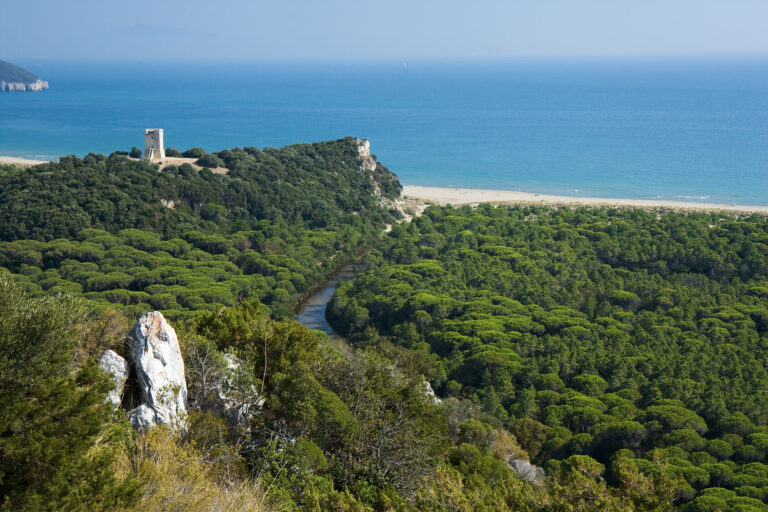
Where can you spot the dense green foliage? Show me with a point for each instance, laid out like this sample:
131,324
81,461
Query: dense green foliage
333,423
57,440
357,430
311,185
140,270
181,240
591,332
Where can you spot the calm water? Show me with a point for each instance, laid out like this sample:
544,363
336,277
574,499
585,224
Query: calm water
312,311
686,130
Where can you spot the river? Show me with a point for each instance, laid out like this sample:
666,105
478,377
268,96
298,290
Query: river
312,312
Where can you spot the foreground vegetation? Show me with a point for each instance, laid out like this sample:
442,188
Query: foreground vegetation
592,333
623,351
338,431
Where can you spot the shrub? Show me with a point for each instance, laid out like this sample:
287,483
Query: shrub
194,153
211,161
177,479
56,442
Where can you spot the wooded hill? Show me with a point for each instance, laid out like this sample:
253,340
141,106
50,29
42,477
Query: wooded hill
12,73
182,240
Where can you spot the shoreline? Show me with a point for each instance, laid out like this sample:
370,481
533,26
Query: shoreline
23,162
470,196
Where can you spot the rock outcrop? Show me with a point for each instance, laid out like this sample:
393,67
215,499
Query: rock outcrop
527,471
150,382
37,85
237,401
430,393
14,78
118,369
154,353
368,163
143,417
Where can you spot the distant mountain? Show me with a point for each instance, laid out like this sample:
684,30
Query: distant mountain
14,78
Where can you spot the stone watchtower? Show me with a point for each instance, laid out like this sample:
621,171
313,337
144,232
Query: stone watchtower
153,144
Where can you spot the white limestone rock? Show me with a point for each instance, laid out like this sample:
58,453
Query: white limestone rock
143,417
430,393
155,354
527,471
237,400
367,161
37,85
118,369
363,148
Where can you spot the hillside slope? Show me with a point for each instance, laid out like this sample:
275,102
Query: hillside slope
595,334
182,240
14,78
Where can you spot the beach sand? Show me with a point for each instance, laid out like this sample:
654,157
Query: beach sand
21,162
468,196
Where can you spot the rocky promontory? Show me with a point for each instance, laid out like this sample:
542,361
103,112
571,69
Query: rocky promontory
14,78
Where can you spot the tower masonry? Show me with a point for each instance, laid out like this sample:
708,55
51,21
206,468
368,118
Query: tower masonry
153,144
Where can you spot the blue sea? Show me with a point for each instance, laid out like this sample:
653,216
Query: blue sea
679,129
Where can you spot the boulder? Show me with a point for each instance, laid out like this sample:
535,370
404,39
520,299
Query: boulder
155,355
527,471
118,369
143,417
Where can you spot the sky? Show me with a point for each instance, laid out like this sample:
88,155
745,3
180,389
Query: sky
378,29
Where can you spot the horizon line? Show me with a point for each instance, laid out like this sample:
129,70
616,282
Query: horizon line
415,59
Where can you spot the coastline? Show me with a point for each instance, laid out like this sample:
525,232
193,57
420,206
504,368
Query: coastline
468,196
22,162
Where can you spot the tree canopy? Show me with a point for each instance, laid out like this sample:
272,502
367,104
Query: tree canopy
586,332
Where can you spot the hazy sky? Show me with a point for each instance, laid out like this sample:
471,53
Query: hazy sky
378,29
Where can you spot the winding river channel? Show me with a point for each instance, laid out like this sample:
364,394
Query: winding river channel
312,312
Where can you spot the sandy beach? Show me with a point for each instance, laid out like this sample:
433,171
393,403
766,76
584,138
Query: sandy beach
22,162
471,196
463,196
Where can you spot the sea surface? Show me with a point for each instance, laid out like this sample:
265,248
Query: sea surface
694,129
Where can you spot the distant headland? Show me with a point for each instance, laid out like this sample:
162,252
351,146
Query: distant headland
14,78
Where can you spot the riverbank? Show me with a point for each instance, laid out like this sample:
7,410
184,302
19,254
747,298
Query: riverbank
467,196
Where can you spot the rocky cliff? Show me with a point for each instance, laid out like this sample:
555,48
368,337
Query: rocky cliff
368,163
37,85
14,78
